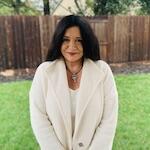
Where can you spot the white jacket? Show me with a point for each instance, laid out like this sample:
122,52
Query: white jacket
96,108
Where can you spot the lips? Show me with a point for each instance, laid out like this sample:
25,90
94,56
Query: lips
72,53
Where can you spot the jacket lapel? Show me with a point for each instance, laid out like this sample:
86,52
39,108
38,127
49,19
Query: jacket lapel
91,76
58,80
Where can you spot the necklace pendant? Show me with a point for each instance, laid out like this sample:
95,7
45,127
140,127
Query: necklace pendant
74,77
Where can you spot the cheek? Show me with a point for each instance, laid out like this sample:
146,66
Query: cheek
62,48
80,47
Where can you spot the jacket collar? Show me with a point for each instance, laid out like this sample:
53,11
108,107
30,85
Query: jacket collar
91,76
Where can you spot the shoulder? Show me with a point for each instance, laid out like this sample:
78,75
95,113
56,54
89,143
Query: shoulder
103,66
43,67
47,65
101,63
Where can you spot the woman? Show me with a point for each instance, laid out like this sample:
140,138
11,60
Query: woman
73,97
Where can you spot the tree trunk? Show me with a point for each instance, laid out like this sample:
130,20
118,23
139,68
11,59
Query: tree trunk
46,7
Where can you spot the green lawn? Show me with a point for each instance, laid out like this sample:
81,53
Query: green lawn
15,130
133,131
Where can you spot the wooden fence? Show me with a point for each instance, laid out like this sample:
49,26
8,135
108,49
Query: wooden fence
24,40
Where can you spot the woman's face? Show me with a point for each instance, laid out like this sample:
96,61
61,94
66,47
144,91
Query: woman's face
71,48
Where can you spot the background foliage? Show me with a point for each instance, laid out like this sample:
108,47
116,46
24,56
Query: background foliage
17,7
91,7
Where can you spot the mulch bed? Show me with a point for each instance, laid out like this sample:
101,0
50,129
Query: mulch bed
16,75
131,67
118,68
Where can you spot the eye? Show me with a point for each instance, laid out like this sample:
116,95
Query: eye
79,40
65,39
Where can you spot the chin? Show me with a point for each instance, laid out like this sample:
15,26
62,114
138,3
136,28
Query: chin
72,60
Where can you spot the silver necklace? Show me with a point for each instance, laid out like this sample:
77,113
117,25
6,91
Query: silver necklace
74,76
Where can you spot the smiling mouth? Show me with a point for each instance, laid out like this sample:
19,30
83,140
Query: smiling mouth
72,53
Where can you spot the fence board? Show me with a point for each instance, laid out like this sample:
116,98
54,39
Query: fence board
10,42
148,39
46,32
32,41
3,44
18,43
139,40
110,50
101,28
121,39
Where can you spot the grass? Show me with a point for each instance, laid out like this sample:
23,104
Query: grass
15,130
133,132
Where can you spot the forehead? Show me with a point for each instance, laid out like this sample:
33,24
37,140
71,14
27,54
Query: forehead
73,31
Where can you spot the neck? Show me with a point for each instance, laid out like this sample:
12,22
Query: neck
74,67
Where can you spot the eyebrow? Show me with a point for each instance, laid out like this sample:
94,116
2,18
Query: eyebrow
69,37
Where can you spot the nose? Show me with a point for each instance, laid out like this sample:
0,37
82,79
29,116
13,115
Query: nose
72,44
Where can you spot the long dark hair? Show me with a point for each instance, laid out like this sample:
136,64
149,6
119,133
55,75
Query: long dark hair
89,41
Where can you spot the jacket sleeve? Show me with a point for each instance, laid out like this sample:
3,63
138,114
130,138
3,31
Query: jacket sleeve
40,122
105,132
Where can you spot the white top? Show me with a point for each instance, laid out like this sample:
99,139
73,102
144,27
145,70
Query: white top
73,99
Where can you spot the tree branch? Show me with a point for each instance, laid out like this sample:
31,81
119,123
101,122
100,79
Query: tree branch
79,8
